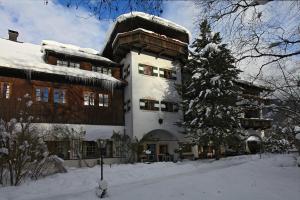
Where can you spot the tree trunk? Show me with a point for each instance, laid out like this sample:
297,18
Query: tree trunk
218,151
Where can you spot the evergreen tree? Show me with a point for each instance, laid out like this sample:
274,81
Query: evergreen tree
209,93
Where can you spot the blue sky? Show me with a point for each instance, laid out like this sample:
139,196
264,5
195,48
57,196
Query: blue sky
36,21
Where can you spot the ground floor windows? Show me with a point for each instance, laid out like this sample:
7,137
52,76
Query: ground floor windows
5,91
59,96
75,149
89,98
42,94
91,149
103,100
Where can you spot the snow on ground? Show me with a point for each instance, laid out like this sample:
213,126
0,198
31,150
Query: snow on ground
275,177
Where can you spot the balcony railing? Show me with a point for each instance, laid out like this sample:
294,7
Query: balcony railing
148,41
256,123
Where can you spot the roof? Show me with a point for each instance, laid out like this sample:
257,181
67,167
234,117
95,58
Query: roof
161,22
29,57
69,49
250,84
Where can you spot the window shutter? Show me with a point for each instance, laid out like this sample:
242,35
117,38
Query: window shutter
141,69
125,106
156,105
174,75
154,71
142,104
175,107
161,72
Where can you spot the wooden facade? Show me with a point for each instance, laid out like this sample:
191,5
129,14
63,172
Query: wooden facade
252,110
138,22
73,111
149,42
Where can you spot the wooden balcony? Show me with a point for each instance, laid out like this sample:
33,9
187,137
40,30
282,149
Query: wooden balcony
256,123
144,41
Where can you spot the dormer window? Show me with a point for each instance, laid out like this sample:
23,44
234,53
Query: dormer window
66,63
74,65
62,63
103,70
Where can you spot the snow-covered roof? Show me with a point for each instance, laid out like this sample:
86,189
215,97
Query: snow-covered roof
252,84
69,49
29,57
253,138
153,18
148,17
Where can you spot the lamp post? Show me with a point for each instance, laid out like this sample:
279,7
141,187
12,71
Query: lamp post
101,190
102,145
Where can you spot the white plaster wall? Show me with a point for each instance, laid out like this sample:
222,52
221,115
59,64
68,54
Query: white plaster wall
128,95
143,86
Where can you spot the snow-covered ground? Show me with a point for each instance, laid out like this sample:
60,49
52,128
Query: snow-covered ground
275,177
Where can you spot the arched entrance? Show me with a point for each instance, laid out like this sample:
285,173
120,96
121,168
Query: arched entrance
159,145
254,144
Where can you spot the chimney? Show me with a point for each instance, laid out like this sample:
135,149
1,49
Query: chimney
13,35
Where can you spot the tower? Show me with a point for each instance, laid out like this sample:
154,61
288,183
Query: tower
152,51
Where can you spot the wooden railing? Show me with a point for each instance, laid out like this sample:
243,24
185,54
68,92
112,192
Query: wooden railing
148,41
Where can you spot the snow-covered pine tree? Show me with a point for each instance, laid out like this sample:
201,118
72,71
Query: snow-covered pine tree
209,93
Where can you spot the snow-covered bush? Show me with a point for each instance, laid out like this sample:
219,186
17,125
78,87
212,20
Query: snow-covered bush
126,148
22,149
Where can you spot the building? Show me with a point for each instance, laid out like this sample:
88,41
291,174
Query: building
128,91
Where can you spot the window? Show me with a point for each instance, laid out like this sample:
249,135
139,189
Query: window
62,62
5,90
96,69
127,105
91,149
42,94
74,65
148,70
103,70
89,98
66,63
103,100
166,73
146,104
163,149
59,96
169,106
126,71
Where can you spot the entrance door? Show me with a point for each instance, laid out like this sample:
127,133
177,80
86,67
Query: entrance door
152,148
